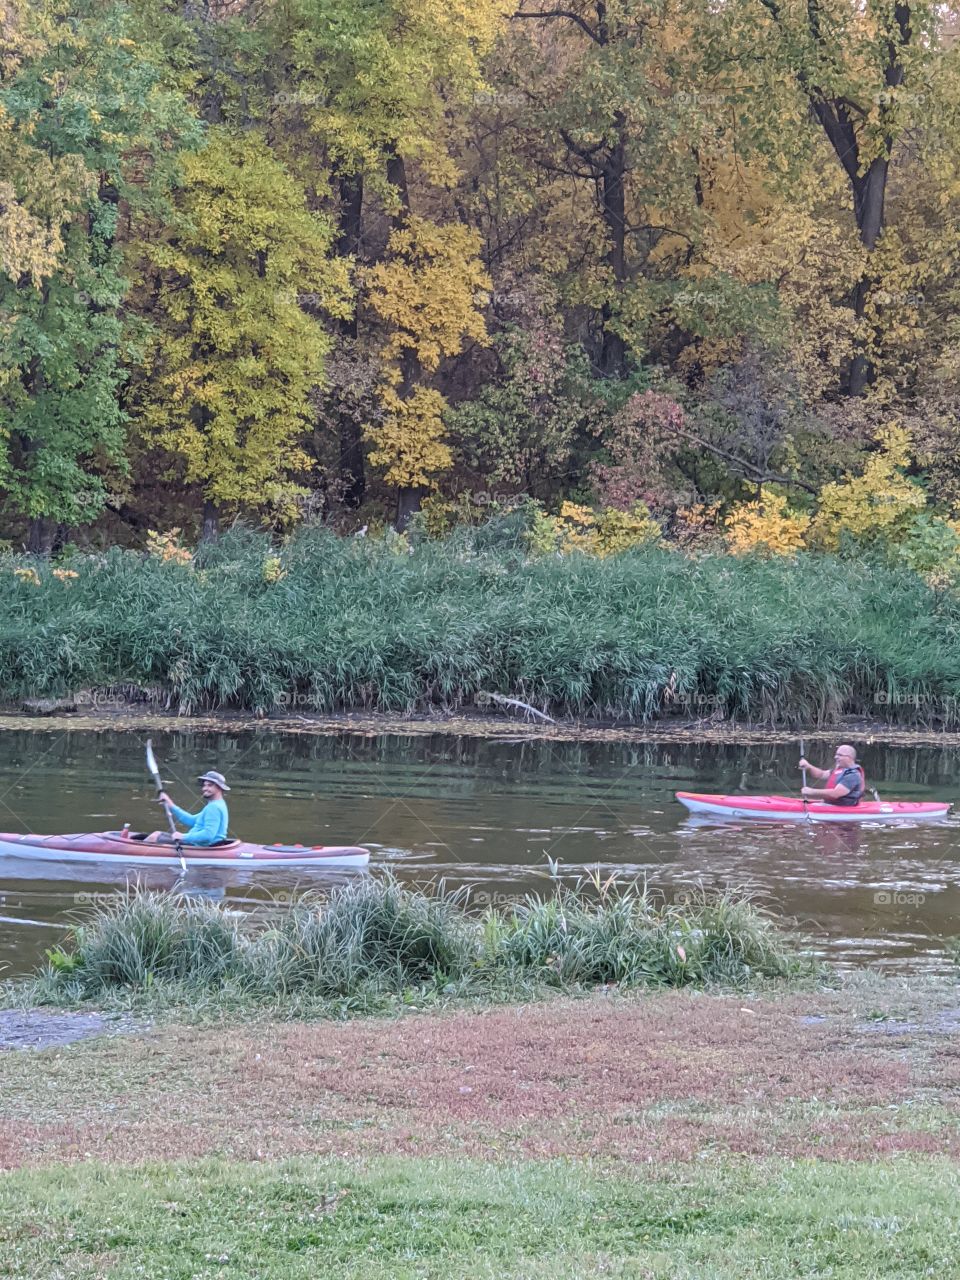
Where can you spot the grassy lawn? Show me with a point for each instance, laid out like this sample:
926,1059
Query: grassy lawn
453,1218
676,1135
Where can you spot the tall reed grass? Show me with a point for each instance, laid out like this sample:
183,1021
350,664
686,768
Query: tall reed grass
366,625
375,937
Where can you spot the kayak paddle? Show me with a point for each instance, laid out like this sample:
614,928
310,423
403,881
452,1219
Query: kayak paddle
155,774
803,756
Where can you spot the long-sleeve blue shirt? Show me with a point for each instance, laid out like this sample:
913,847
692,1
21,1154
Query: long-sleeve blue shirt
206,827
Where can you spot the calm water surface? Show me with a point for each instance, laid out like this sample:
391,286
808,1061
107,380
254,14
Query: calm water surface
488,813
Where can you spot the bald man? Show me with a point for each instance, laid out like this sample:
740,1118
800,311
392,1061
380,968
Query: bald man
846,782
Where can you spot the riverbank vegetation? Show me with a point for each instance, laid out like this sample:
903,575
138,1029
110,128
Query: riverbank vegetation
374,941
324,623
679,268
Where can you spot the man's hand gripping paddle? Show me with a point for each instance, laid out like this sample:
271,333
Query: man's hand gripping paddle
155,774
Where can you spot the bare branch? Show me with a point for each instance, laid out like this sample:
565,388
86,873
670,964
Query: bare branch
562,13
760,474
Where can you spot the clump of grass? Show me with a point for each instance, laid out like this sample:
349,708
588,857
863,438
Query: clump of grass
372,935
623,936
375,939
142,939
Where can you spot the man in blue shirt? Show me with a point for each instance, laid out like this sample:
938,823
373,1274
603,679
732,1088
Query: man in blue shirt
210,824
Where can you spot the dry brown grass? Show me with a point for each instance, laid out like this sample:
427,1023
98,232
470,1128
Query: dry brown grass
641,1080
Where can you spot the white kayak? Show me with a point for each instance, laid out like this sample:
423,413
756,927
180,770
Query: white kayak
149,850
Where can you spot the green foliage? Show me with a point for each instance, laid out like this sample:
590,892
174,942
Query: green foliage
83,95
522,428
623,936
931,546
365,623
259,258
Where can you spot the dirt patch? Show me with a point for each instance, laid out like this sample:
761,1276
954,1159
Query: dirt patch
673,1076
42,1029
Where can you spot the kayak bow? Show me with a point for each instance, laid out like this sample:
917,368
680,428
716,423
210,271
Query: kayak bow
794,809
149,851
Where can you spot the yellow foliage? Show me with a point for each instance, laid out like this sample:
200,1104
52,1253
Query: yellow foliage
427,294
166,547
604,533
878,505
273,570
28,575
409,443
766,526
697,523
428,291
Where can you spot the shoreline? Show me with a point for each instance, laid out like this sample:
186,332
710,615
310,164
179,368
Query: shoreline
376,724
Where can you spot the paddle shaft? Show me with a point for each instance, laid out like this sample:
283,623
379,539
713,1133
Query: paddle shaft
803,756
158,781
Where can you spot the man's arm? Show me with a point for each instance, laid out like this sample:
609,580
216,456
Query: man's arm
836,792
817,773
181,815
204,829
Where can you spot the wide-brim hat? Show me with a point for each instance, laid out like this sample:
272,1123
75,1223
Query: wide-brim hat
216,778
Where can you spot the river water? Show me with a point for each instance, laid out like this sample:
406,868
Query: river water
489,813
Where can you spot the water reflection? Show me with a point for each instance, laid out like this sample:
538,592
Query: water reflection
490,813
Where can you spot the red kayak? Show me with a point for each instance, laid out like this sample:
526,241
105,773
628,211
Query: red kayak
148,851
792,808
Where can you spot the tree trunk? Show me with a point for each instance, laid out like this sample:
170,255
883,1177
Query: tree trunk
41,535
352,471
211,522
869,195
613,354
409,497
408,504
837,121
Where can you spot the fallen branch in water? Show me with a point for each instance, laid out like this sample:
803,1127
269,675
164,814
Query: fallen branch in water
502,701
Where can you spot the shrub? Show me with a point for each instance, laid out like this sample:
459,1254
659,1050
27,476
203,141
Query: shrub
767,526
375,937
877,506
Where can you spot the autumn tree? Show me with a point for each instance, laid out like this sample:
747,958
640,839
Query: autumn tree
83,110
234,355
373,89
